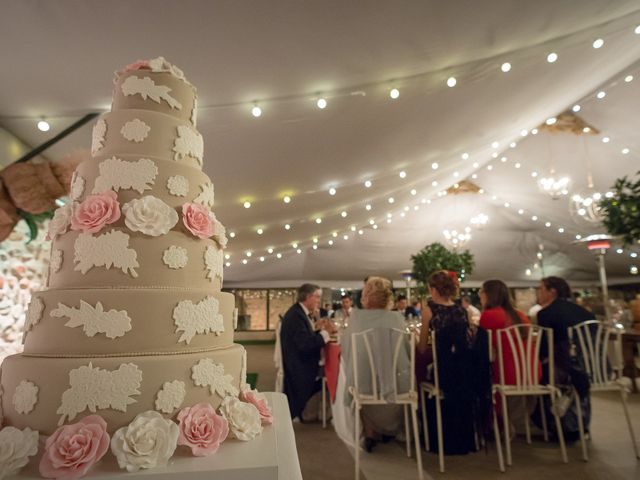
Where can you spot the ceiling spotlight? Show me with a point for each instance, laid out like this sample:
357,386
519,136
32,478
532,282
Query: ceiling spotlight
578,237
605,139
332,191
330,242
375,227
520,212
628,78
456,174
534,131
524,133
394,93
246,204
318,220
260,231
244,261
286,199
503,159
637,30
601,94
232,234
551,121
586,130
321,103
353,228
494,155
256,111
270,250
465,156
625,151
391,200
451,82
513,145
434,165
576,108
299,250
506,66
287,226
489,167
345,237
434,183
43,125
227,256
534,218
552,57
262,259
547,224
343,214
633,270
315,239
476,164
413,191
360,232
315,247
278,255
518,165
527,272
598,43
294,244
372,221
334,234
228,264
561,230
248,253
368,184
495,144
402,174
367,207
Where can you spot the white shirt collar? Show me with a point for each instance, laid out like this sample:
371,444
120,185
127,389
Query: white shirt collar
306,310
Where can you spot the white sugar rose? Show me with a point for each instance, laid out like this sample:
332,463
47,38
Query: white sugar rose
16,446
147,442
244,418
60,221
149,215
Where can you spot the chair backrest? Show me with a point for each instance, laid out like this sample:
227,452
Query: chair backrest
379,345
524,342
277,360
593,342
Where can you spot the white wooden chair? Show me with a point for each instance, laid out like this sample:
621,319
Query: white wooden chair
432,390
603,366
408,398
525,342
277,360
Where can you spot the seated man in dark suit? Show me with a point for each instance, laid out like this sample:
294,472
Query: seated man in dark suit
301,346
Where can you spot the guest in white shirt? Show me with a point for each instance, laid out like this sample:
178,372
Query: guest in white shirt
343,314
472,312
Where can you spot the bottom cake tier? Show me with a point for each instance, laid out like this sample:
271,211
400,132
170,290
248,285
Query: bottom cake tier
45,392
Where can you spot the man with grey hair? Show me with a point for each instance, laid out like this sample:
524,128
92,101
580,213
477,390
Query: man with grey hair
301,342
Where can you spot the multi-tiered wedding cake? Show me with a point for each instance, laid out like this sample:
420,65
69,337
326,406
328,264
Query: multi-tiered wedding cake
133,319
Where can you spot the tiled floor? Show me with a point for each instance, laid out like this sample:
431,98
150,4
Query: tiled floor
323,455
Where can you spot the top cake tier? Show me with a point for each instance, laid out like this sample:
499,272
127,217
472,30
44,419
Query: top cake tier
158,86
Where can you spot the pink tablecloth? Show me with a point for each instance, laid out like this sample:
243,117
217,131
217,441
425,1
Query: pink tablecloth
332,367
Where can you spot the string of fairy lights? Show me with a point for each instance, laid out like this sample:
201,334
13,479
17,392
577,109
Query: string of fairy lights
405,196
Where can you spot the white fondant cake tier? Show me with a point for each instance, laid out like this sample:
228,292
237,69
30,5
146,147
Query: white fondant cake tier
152,258
150,134
130,321
51,376
163,86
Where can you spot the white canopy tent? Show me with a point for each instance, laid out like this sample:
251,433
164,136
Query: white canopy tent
58,57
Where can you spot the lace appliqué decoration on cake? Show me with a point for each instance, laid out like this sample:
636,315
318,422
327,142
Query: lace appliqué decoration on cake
97,136
147,88
188,144
93,320
34,314
55,262
149,215
25,397
77,186
201,318
170,396
213,263
175,257
108,250
116,174
94,388
178,186
207,373
194,111
206,195
135,130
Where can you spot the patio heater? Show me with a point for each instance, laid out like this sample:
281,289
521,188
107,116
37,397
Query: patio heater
407,277
599,244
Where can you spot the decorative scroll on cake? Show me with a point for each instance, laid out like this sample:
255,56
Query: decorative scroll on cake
94,320
108,250
207,373
96,389
203,317
117,174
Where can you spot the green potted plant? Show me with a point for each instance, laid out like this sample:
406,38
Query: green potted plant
621,212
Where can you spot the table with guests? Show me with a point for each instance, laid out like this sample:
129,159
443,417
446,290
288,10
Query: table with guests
466,358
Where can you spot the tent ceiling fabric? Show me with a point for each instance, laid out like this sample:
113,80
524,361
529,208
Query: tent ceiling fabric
58,58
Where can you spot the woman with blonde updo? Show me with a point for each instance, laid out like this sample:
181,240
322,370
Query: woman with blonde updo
379,422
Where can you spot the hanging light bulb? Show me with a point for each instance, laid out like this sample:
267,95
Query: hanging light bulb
256,111
43,125
321,103
451,82
394,93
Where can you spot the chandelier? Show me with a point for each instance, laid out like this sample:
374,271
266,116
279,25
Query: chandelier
479,221
586,205
455,239
554,186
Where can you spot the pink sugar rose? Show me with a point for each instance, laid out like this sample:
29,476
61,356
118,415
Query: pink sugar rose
260,402
202,429
95,212
72,450
198,220
139,65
